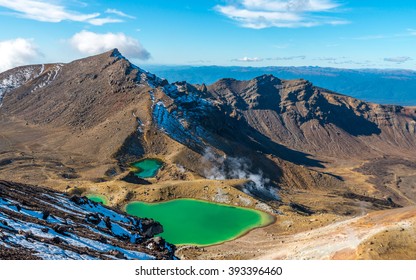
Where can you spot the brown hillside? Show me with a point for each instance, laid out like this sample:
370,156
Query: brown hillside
285,147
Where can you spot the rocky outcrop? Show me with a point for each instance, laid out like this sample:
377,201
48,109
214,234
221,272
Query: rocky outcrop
303,117
40,223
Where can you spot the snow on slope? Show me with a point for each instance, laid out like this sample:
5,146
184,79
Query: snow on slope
175,122
181,120
31,221
14,78
19,76
170,124
49,77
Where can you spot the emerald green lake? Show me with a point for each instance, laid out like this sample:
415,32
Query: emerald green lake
147,168
189,221
97,198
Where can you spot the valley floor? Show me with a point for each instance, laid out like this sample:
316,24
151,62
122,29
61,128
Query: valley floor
342,228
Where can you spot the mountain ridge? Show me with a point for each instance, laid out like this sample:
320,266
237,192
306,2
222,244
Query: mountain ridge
297,103
385,86
276,145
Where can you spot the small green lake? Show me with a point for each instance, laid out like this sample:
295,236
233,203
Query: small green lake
190,221
147,168
98,198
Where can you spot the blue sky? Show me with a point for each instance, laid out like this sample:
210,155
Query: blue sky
333,33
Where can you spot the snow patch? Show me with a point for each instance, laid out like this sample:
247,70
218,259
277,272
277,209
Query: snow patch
18,78
50,76
12,206
171,124
29,233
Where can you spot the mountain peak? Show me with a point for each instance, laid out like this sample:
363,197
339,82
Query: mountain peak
266,76
116,53
267,79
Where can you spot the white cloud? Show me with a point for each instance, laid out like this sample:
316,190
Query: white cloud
17,52
409,33
102,21
302,57
248,59
371,37
329,59
90,43
342,60
200,61
412,32
258,14
119,13
47,11
398,59
257,59
293,5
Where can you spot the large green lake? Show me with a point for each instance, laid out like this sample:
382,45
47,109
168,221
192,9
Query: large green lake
147,168
189,221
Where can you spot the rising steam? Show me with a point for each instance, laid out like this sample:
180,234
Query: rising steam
218,167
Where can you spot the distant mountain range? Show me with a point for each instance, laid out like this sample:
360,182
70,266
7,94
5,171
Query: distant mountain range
385,86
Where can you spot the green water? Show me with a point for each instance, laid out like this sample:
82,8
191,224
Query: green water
147,168
189,221
97,198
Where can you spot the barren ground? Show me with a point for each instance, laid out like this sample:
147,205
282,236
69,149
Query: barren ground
342,228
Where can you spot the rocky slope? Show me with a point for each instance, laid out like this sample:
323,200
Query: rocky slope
276,145
88,119
101,112
87,93
314,120
37,223
14,78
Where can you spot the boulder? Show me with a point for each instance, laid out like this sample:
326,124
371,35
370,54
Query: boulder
93,218
150,228
45,214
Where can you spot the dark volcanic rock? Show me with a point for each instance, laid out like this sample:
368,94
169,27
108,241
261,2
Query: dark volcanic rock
72,225
131,178
93,218
79,200
45,214
151,228
379,203
301,209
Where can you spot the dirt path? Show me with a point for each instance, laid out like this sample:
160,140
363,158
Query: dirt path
341,240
